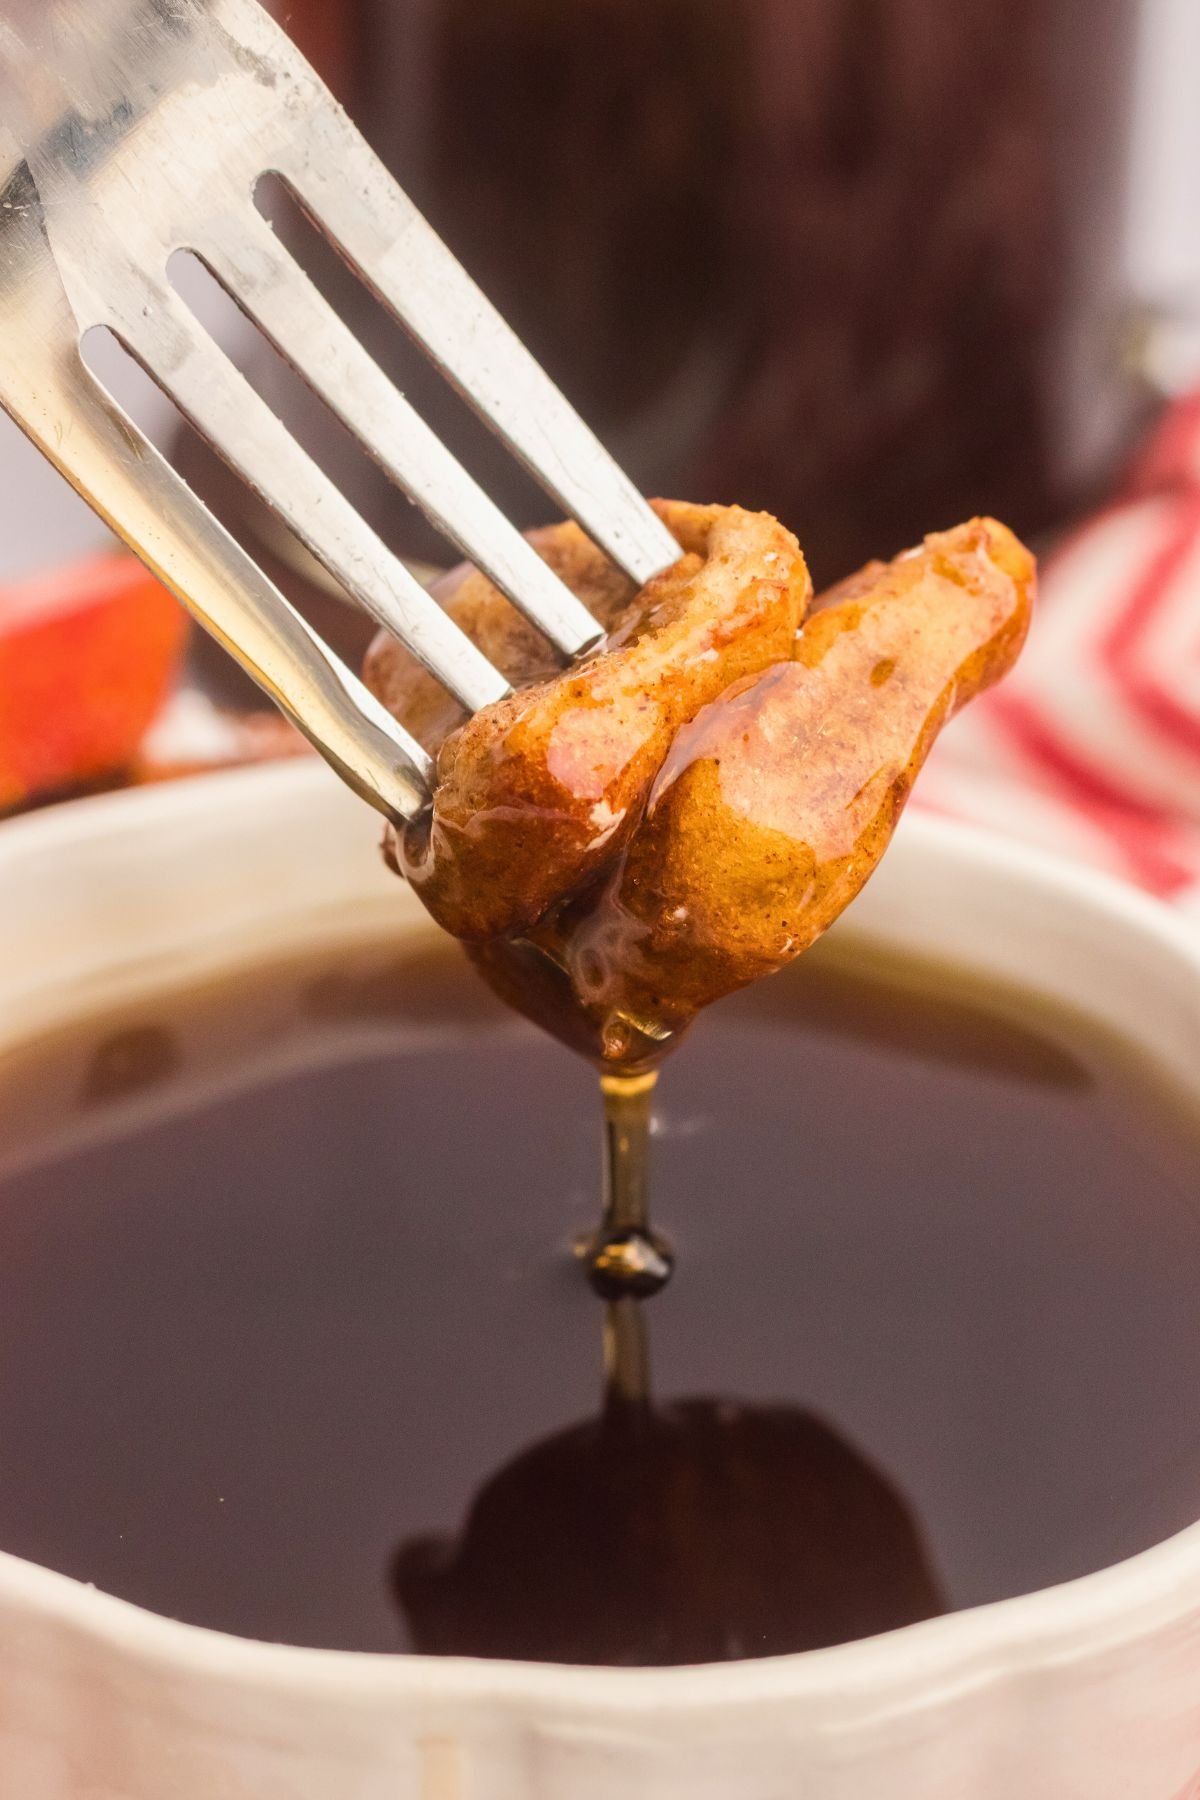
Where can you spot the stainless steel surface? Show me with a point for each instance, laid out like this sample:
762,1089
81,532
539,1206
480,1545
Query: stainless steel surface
135,129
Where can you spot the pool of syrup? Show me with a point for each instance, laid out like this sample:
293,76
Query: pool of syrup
295,1339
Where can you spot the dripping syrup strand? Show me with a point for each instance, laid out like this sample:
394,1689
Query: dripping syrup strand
626,1259
627,1100
626,1254
626,1361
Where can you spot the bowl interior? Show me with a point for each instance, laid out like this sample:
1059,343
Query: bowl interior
1015,1354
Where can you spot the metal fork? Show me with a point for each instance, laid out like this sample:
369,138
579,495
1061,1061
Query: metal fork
132,129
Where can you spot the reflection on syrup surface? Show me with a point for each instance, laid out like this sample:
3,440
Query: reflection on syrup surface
294,1338
697,1531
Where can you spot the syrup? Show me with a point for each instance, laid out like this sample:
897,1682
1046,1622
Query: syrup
295,1340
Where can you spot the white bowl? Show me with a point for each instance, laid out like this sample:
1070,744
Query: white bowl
1087,1691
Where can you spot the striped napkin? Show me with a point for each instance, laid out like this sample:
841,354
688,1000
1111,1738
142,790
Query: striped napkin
1092,746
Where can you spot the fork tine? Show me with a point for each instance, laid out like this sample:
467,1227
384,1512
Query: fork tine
134,128
348,192
247,258
411,271
218,400
112,242
47,389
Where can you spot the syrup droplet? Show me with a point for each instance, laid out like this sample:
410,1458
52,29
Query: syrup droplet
628,1264
626,1259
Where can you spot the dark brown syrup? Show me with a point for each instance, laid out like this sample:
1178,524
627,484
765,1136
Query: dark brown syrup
296,1338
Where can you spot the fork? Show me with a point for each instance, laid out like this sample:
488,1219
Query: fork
133,129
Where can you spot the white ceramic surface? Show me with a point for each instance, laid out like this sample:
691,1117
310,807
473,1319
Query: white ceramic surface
1089,1691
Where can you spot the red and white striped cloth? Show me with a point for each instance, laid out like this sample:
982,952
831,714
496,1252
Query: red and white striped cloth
1092,746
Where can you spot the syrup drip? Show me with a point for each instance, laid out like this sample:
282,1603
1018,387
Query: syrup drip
627,1260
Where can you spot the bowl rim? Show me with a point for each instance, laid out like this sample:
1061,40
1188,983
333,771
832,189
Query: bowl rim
847,1686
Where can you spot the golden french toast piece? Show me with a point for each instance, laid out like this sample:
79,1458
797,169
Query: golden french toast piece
692,806
538,792
775,804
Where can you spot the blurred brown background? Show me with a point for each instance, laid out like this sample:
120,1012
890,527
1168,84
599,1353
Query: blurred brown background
828,257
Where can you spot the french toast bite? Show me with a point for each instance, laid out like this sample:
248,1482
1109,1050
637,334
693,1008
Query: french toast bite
692,805
537,793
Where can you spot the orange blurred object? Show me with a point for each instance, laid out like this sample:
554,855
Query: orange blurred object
88,654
